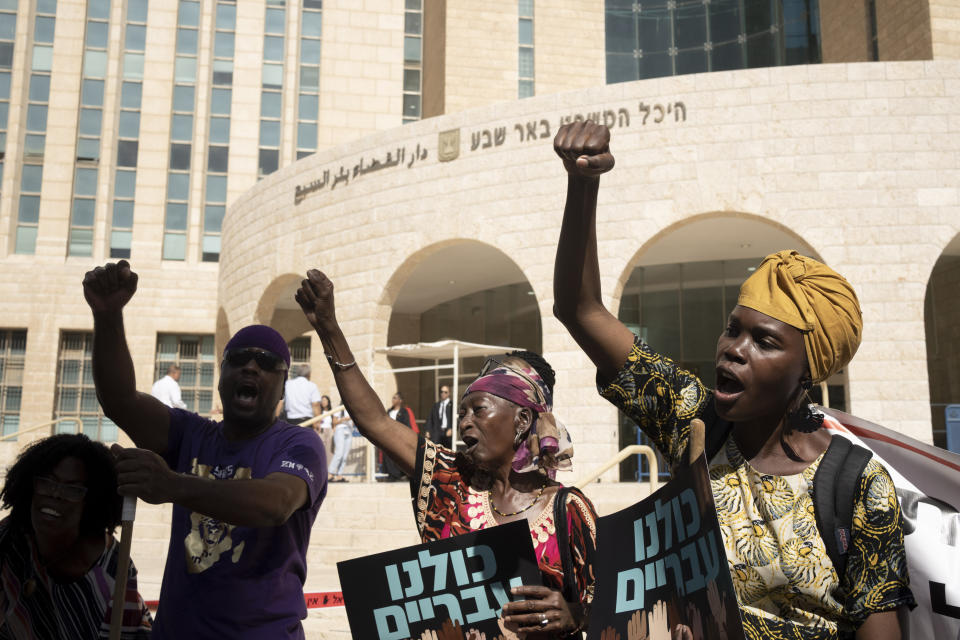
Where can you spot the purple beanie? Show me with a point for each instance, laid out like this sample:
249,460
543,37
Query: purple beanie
261,336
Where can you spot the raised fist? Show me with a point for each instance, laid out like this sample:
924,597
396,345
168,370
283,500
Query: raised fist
585,148
315,297
110,287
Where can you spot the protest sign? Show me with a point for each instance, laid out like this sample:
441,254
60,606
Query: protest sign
928,485
665,566
465,579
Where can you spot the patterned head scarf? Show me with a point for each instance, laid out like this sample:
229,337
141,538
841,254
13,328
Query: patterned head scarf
547,446
815,299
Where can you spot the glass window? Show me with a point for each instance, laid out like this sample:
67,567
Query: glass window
180,156
42,57
411,49
120,242
216,160
311,24
133,66
220,130
83,212
81,244
92,93
310,78
86,182
275,21
130,95
176,216
525,69
178,186
411,80
33,145
223,72
273,48
185,69
43,29
181,127
526,7
6,55
129,126
312,4
88,149
308,107
525,89
269,133
47,6
223,44
411,105
37,117
29,209
126,184
188,14
8,25
413,4
26,240
217,188
226,16
137,10
95,64
97,35
5,85
310,51
526,31
31,177
123,213
98,9
213,217
183,97
211,248
272,76
220,101
174,246
39,87
270,104
89,124
307,135
127,153
187,41
268,161
411,23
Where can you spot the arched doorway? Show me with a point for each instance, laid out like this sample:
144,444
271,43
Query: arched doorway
463,290
680,289
941,316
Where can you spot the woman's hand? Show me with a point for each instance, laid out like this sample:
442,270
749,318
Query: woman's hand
315,297
543,611
584,148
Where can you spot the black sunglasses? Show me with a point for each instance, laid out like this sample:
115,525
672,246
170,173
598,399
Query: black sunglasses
266,360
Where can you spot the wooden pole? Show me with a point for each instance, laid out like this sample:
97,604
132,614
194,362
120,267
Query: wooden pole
695,447
123,566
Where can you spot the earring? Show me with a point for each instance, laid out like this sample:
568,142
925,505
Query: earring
517,439
804,419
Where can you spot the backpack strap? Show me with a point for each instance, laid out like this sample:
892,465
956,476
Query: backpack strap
834,492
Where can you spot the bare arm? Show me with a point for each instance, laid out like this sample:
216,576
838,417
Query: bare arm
315,297
584,148
262,502
887,625
142,417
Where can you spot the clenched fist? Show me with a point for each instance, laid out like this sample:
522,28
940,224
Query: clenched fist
585,148
315,297
110,287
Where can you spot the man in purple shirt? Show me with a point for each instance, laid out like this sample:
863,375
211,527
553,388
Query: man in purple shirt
245,491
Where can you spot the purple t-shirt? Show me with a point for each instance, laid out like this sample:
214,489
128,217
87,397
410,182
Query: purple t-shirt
225,581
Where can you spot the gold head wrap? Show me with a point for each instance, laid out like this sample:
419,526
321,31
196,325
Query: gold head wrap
815,299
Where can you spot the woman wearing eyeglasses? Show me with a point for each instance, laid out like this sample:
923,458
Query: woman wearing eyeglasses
514,446
58,557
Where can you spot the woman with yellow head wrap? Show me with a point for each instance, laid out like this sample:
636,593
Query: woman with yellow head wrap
796,323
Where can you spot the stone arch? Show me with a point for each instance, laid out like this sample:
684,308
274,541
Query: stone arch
278,309
941,318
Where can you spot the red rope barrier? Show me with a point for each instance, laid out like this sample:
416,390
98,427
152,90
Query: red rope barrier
317,600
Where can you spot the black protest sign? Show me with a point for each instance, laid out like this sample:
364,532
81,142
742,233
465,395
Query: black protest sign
465,579
664,567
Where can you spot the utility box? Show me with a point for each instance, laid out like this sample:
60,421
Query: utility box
953,427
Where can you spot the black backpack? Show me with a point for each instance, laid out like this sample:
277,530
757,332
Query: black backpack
834,489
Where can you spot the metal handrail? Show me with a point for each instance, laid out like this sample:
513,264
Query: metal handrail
624,453
17,434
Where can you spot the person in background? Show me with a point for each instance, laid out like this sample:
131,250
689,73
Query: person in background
439,425
342,435
301,398
324,426
58,556
403,414
167,388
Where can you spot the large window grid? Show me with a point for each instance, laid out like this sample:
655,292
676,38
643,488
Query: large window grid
34,140
412,60
196,357
128,129
76,395
308,104
181,131
299,351
13,349
657,38
218,138
89,125
525,66
8,31
271,96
